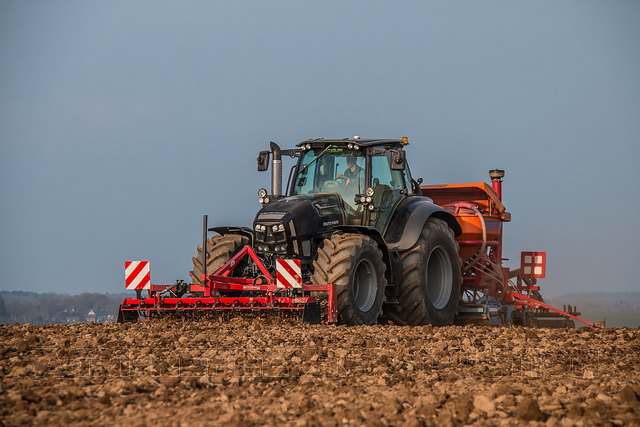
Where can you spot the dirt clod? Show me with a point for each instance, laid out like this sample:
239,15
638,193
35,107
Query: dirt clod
529,410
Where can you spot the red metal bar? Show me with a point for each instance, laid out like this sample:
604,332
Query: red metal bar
199,288
477,242
226,269
538,304
331,288
160,288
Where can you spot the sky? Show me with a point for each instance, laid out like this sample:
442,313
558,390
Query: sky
123,122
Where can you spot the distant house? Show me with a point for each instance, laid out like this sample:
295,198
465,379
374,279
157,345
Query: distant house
91,316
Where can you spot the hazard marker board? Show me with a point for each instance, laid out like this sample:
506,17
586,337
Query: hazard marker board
288,273
137,275
533,265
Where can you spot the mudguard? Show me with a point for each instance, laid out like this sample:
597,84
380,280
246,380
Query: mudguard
361,229
244,231
408,220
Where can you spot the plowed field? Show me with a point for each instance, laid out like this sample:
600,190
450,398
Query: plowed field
252,371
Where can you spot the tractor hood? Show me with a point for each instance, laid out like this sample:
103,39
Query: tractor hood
296,219
310,213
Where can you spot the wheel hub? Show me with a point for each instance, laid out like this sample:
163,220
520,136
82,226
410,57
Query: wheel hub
439,278
365,285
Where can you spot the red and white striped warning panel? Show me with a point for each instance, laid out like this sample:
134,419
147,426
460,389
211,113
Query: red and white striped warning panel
137,275
533,265
288,273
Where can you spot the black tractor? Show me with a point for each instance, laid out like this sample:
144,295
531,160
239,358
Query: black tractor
353,215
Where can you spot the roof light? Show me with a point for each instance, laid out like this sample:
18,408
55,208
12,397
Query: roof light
405,140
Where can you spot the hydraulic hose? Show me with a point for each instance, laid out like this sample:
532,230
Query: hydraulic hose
483,247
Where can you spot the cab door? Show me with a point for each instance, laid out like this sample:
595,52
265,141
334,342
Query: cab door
389,188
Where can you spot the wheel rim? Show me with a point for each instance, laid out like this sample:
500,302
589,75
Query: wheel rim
365,285
439,277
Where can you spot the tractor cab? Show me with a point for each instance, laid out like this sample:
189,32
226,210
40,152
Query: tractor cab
370,176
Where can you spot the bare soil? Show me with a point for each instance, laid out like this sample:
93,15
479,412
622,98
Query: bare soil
254,371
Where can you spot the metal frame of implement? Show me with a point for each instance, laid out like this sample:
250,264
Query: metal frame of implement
267,295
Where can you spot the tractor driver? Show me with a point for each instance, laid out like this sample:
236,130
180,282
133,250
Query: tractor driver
352,173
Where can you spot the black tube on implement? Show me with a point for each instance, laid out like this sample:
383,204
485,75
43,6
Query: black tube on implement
204,246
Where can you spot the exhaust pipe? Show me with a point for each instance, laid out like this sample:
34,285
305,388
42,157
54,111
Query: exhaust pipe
276,170
496,176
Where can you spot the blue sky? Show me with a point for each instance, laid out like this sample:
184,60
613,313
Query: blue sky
122,123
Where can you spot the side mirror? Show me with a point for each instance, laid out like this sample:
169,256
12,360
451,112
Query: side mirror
263,161
398,160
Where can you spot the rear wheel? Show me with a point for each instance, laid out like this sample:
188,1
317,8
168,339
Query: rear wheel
220,249
430,285
354,263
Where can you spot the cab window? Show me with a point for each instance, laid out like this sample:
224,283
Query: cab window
389,187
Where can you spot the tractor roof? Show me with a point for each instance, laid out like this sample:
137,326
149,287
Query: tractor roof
354,141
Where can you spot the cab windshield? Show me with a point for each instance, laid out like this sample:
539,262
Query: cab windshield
333,170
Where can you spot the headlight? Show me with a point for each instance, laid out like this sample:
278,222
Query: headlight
262,193
369,192
277,228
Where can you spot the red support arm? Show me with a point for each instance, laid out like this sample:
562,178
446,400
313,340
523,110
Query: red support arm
538,304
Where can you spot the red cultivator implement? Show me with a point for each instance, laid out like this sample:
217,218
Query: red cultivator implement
223,291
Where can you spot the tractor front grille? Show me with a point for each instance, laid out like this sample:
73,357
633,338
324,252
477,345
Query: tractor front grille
271,237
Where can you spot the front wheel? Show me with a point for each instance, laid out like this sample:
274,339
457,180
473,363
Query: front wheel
429,289
354,263
220,249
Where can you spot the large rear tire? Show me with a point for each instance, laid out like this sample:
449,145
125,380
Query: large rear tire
429,289
220,249
354,263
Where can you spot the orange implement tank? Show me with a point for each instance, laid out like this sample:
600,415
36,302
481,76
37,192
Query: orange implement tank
479,211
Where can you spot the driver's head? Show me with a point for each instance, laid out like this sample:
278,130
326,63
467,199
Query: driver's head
351,160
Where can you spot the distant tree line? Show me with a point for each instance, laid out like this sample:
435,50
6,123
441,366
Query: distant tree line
600,301
40,309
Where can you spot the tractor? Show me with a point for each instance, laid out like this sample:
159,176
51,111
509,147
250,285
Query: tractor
355,236
353,216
